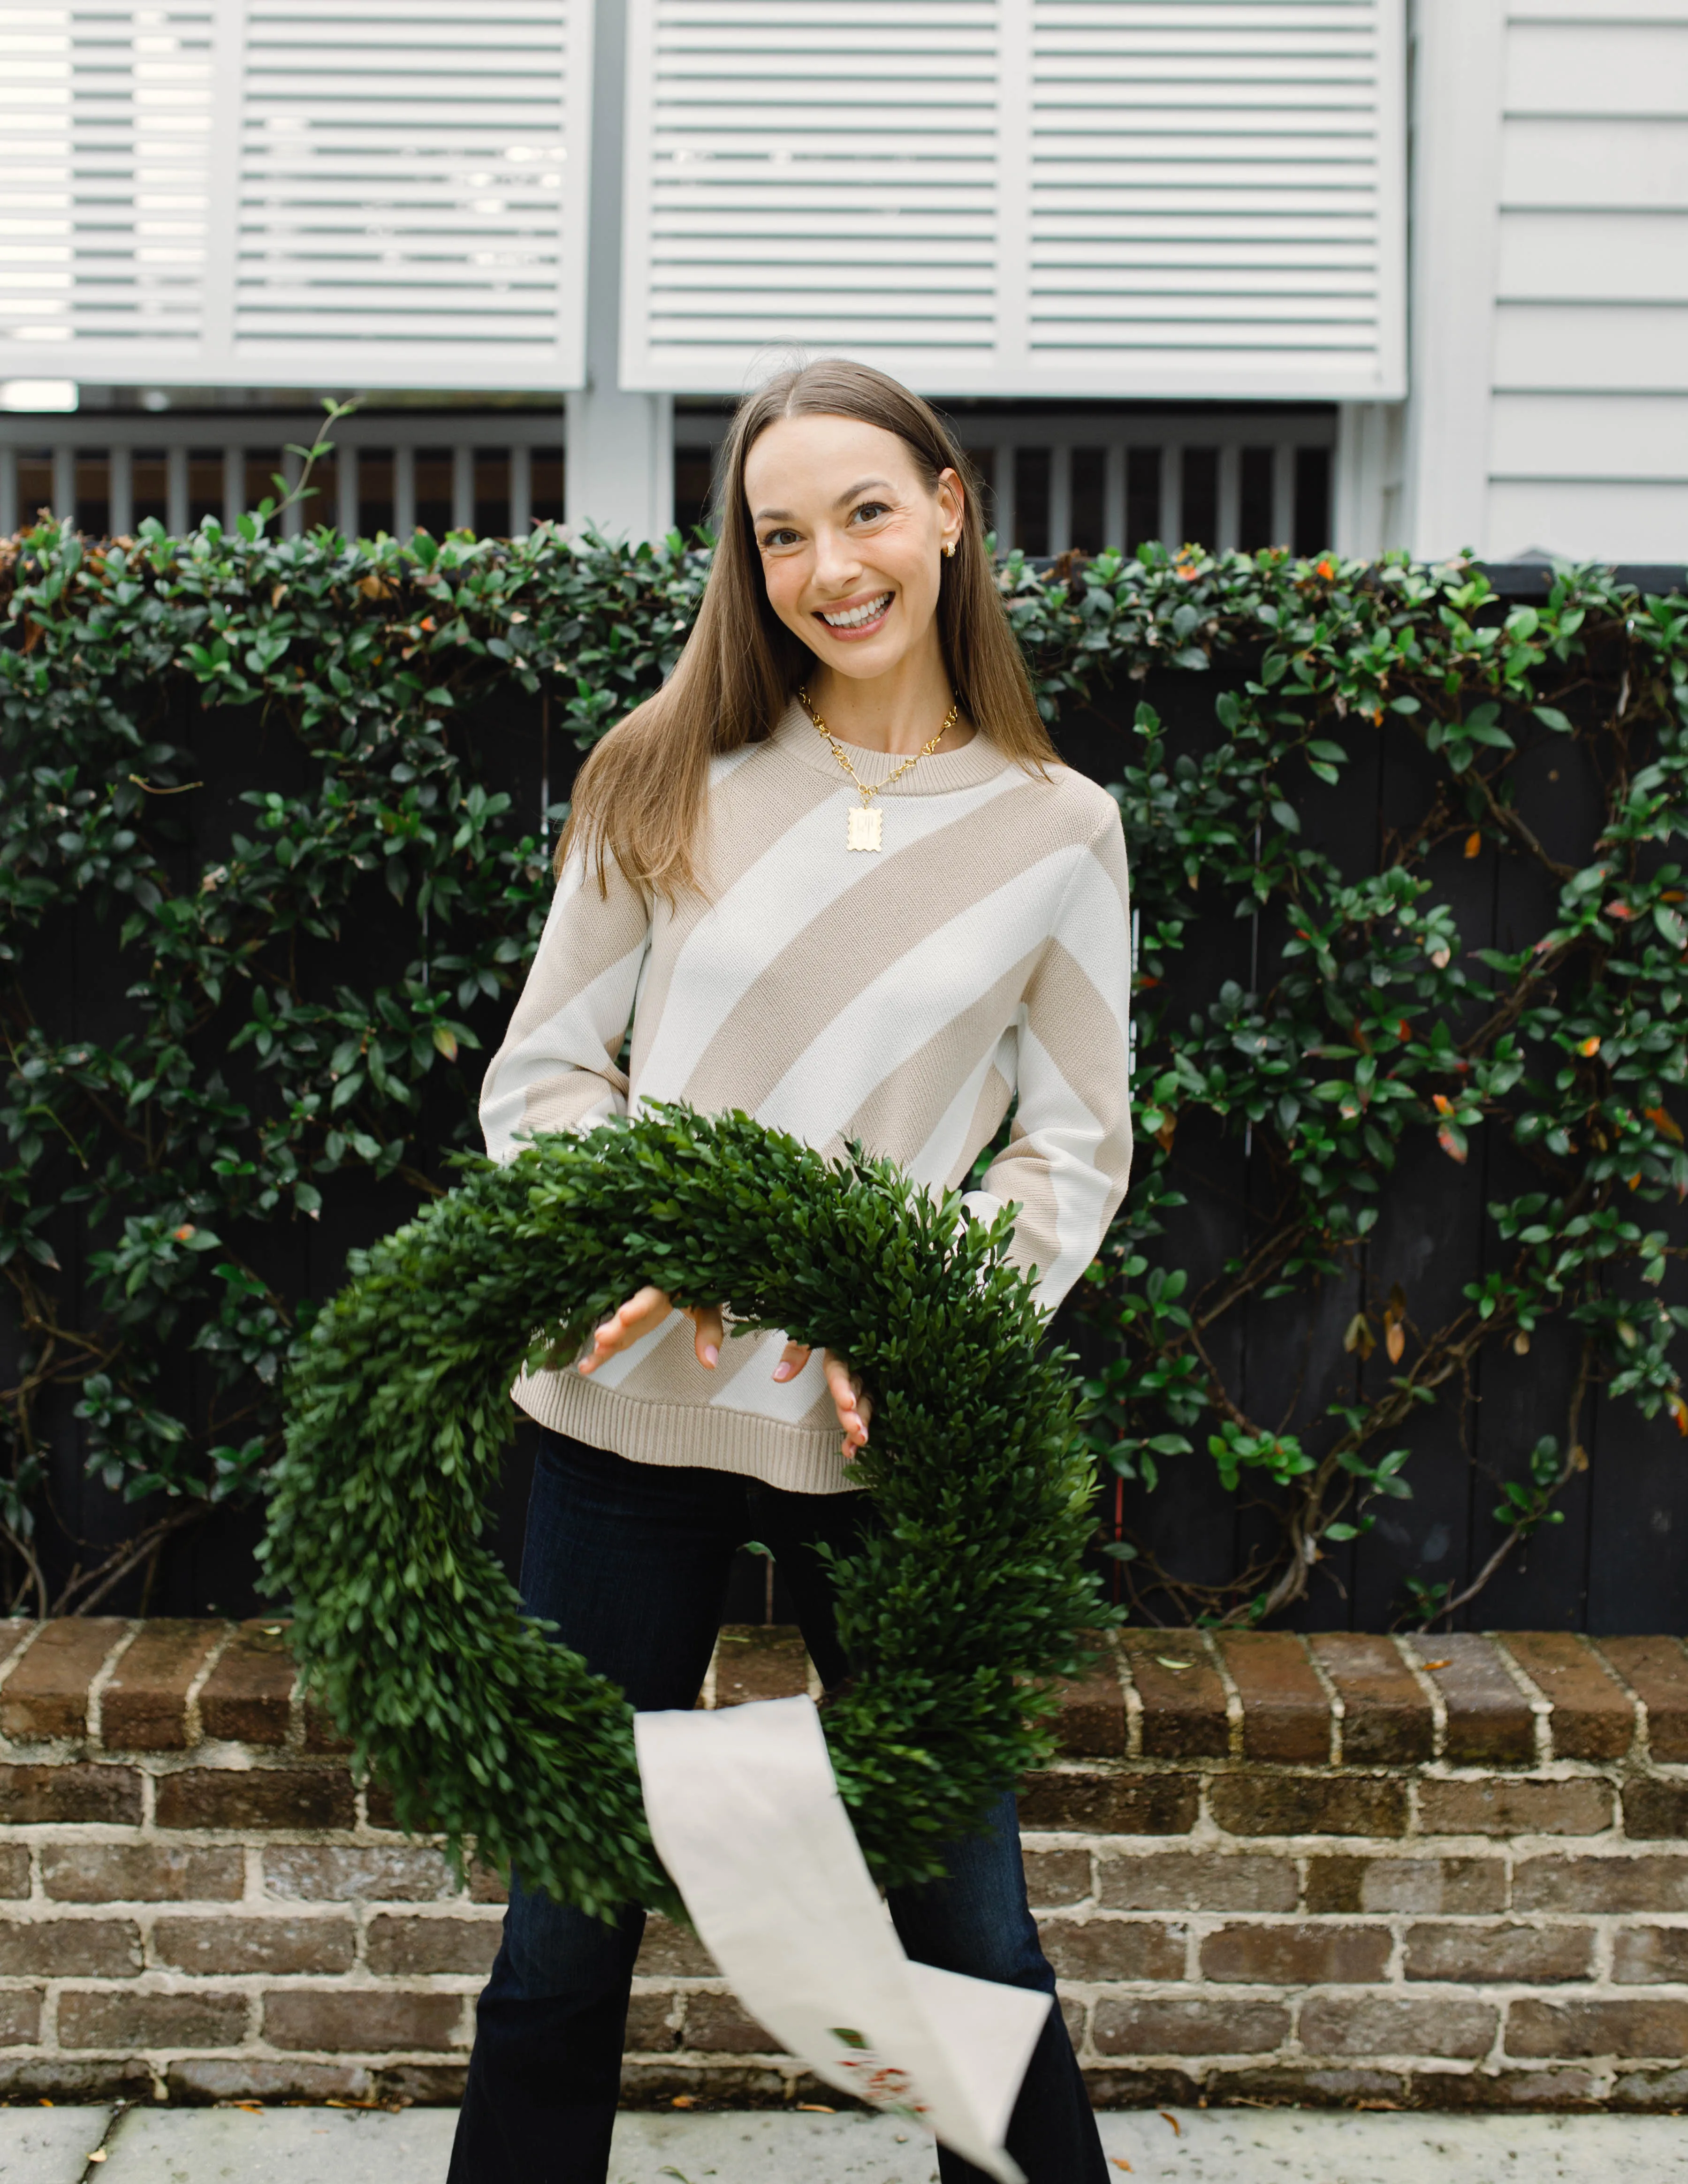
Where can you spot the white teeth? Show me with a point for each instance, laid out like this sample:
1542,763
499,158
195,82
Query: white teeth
854,617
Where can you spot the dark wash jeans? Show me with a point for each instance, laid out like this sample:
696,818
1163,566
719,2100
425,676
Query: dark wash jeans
630,1562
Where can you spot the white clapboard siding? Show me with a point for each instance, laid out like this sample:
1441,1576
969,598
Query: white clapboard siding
296,193
1164,198
1588,422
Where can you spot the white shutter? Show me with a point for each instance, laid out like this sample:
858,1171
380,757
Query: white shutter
296,193
1087,198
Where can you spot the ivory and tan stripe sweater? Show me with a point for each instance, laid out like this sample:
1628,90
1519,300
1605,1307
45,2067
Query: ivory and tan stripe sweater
903,998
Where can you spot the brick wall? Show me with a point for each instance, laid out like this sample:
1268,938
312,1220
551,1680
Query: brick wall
1451,1872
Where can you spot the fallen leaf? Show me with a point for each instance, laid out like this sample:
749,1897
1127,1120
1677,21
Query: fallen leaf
99,2154
815,2108
1473,843
683,2101
1120,2162
674,2172
1439,1664
1171,2120
1174,1665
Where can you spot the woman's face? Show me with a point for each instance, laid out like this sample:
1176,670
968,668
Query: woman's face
851,538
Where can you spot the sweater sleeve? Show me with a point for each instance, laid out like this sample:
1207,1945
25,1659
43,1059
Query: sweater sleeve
559,1067
1068,1158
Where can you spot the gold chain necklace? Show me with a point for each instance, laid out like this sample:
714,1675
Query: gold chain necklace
864,828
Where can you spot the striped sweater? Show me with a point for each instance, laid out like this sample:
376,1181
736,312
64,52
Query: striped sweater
905,999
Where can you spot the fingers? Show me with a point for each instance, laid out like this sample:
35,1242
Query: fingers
637,1316
793,1359
709,1333
853,1408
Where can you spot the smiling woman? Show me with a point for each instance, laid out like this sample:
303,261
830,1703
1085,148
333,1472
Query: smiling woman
832,877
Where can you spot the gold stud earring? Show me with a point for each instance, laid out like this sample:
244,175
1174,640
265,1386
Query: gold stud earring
949,551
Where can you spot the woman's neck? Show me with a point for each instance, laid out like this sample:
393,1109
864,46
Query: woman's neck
898,713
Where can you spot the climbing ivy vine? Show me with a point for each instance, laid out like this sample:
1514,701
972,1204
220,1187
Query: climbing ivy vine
258,1053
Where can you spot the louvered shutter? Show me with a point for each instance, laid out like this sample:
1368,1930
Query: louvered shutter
296,192
1087,198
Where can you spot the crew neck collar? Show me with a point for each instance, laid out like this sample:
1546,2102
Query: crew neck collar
795,736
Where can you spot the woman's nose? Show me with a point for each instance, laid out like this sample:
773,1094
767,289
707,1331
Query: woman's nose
836,562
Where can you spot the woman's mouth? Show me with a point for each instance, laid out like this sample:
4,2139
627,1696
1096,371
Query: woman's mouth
862,620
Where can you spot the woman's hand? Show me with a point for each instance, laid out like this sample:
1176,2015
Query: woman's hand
649,1306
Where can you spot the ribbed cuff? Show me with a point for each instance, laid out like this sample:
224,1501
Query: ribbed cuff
713,1437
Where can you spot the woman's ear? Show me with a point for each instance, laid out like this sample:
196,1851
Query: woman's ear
952,502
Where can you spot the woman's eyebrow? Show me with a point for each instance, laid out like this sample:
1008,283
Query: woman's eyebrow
784,514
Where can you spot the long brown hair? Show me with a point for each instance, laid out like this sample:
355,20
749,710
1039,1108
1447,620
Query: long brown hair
640,794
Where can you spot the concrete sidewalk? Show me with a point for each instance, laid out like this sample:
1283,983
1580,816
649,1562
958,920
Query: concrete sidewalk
1215,2146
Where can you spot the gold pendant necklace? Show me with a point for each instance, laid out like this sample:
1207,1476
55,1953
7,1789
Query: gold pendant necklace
864,827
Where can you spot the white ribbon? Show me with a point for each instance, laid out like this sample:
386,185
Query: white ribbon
747,1818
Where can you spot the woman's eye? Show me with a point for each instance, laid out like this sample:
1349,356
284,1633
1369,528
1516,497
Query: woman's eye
779,538
870,509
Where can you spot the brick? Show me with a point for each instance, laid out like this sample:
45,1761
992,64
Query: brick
1285,1712
1502,2089
47,1694
1505,1805
196,2080
334,1872
225,1945
1653,1811
45,1796
716,2025
1593,2025
1656,1670
1319,2084
1642,1956
1073,2014
106,2016
1092,1724
672,1951
1600,1883
1488,1716
1113,1949
15,1870
1385,1715
1306,1953
1249,1804
1650,2089
653,2025
1196,1880
141,1873
1382,2025
485,1886
69,1949
26,2078
15,1629
19,2016
411,1945
1593,1718
382,1809
247,1696
1406,1884
1183,1708
362,2020
256,1797
144,1706
322,1732
1056,1876
1110,1804
1477,1954
760,1663
1152,2026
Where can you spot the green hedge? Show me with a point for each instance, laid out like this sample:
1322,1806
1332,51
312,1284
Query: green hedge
260,1068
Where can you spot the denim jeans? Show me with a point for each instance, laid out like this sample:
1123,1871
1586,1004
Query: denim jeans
630,1562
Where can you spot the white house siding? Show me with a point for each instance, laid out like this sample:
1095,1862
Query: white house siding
1588,430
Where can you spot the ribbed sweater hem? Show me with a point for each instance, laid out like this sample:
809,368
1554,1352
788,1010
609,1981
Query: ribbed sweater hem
716,1439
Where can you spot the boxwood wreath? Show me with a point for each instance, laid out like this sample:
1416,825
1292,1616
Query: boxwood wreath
250,1073
956,1614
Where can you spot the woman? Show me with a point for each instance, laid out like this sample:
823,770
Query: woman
833,874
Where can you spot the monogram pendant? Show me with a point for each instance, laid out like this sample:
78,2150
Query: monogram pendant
864,828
